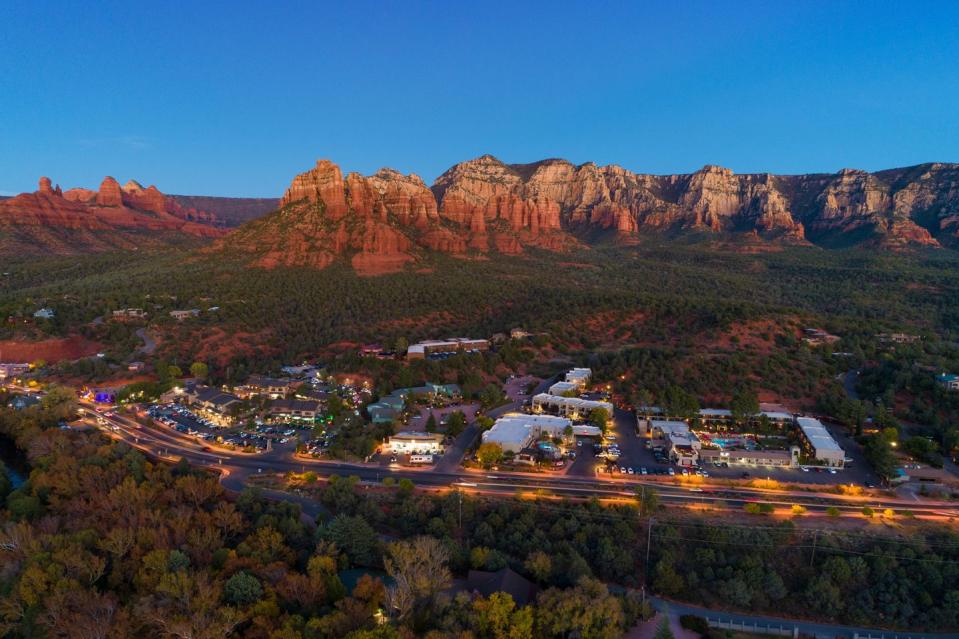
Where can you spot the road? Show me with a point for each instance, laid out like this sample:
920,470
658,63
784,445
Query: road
149,344
805,628
236,468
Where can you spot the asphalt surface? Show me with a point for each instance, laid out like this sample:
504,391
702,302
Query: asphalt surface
236,469
806,628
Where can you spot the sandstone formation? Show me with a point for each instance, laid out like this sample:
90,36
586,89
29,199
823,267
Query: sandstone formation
383,222
79,220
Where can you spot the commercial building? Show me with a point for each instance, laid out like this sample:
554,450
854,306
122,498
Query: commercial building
273,387
305,410
818,443
682,444
414,442
11,369
786,458
515,431
422,350
216,405
949,381
571,407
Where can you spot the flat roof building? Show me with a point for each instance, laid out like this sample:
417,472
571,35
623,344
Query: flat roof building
579,376
515,431
295,409
416,442
564,387
572,407
422,350
819,443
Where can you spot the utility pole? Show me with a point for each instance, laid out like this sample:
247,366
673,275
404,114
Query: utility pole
815,539
460,494
649,538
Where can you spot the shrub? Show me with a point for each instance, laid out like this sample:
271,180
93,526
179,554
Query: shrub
695,623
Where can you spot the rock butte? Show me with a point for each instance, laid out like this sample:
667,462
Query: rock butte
80,219
380,223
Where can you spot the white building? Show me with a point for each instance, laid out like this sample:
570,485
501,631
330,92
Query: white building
819,443
683,445
579,376
949,381
564,387
45,313
416,442
515,431
572,407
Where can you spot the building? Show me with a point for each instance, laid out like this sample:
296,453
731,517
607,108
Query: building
579,376
506,580
216,405
306,410
561,388
682,444
136,367
21,402
423,350
413,442
129,313
11,369
571,407
518,333
45,313
274,387
786,458
818,443
898,338
516,431
949,381
818,337
185,314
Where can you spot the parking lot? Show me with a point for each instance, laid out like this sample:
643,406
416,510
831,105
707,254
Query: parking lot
634,455
183,420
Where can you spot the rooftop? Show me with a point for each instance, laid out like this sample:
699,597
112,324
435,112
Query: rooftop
818,436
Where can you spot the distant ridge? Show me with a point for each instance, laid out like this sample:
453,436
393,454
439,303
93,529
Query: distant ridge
383,222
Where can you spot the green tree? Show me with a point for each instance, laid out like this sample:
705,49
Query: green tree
354,537
199,370
599,417
663,631
744,405
455,423
431,423
242,589
489,454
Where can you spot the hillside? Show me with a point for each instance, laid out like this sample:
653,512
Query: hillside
231,211
388,221
79,220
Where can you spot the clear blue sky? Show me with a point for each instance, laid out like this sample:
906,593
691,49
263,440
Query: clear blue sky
234,98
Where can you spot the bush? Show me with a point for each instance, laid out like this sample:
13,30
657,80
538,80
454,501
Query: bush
695,623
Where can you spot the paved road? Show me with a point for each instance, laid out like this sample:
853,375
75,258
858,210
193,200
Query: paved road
236,468
810,628
149,344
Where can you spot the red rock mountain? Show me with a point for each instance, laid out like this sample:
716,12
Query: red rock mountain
112,217
382,223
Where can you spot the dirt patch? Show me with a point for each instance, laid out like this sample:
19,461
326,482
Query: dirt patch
218,347
51,350
757,335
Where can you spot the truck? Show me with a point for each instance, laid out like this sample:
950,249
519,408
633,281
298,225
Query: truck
421,459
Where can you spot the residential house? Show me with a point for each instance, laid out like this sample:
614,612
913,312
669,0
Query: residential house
184,314
45,313
949,381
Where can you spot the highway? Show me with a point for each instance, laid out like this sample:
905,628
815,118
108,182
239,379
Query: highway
236,468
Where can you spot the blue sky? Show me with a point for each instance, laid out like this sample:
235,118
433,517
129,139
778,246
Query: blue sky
234,98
